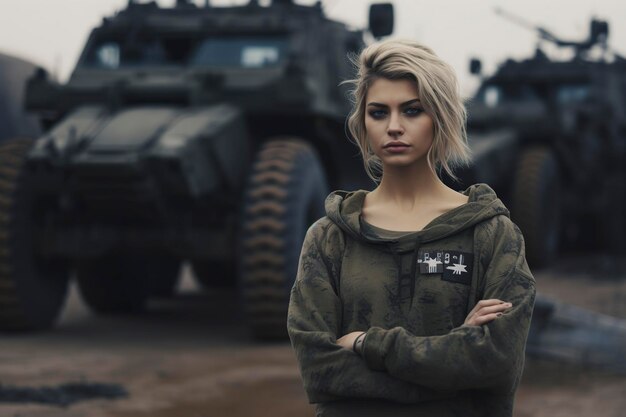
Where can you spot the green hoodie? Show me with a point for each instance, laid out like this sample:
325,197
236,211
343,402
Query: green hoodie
411,293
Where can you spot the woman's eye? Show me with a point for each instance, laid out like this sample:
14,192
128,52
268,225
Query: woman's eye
413,111
377,114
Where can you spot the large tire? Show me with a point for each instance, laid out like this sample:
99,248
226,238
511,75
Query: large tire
32,289
165,274
603,227
285,195
611,234
122,283
215,274
536,204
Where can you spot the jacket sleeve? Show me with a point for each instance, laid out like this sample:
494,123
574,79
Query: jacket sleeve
330,372
488,356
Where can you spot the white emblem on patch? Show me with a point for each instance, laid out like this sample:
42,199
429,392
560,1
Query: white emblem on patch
432,264
457,269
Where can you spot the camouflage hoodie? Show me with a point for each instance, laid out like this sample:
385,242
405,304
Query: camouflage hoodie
411,294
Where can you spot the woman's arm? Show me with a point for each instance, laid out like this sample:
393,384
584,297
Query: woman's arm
487,356
483,312
330,372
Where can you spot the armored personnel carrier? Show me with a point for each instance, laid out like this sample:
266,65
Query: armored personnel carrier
550,136
204,134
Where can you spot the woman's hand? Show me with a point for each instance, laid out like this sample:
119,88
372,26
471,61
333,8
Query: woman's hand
486,311
347,341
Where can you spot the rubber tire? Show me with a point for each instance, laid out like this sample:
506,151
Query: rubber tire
215,274
536,204
122,283
32,289
285,194
605,229
165,273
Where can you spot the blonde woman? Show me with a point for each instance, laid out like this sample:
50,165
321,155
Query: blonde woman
412,299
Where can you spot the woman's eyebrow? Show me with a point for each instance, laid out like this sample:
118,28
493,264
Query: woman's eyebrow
373,103
406,103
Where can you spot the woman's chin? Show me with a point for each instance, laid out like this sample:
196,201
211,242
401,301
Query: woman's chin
402,162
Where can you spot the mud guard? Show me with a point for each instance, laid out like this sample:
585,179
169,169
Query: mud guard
186,151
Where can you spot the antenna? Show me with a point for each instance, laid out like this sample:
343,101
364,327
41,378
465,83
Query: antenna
543,33
515,19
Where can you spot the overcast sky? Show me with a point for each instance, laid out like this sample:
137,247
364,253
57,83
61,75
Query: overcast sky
52,32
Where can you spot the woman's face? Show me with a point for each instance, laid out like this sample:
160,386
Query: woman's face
398,129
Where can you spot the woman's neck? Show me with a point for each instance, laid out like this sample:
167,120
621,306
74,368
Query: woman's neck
410,186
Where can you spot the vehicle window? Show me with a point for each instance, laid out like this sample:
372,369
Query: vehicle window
252,52
113,55
245,52
108,55
493,95
572,93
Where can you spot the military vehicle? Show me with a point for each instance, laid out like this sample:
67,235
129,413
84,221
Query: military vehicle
14,121
207,134
550,136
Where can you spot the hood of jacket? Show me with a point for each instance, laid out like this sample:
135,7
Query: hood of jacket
344,208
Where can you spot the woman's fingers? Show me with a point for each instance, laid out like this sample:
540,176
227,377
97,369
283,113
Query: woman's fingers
485,303
479,321
494,309
486,311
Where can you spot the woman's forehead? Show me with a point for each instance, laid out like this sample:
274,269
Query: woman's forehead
390,92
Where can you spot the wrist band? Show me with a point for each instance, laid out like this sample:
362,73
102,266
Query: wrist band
358,344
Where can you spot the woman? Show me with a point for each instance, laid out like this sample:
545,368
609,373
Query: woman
412,299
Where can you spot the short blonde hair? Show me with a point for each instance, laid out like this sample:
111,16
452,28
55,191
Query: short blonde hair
438,91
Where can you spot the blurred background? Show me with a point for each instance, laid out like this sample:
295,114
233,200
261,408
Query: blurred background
157,178
456,30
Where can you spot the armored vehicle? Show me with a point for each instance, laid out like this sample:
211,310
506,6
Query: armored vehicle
550,136
205,134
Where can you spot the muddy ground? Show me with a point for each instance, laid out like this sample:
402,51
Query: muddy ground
191,356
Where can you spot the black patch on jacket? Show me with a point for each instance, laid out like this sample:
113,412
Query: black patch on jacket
454,266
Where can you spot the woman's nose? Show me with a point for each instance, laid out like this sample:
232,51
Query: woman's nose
395,127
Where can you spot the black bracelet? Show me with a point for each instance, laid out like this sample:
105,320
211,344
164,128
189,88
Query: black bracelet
358,343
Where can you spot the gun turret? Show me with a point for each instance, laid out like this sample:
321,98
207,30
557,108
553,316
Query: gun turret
598,33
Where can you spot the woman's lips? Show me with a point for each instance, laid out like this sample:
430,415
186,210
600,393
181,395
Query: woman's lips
397,148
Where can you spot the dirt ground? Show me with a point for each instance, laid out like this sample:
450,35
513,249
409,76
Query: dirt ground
191,356
559,390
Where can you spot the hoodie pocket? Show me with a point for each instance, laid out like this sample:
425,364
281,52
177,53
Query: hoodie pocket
440,305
